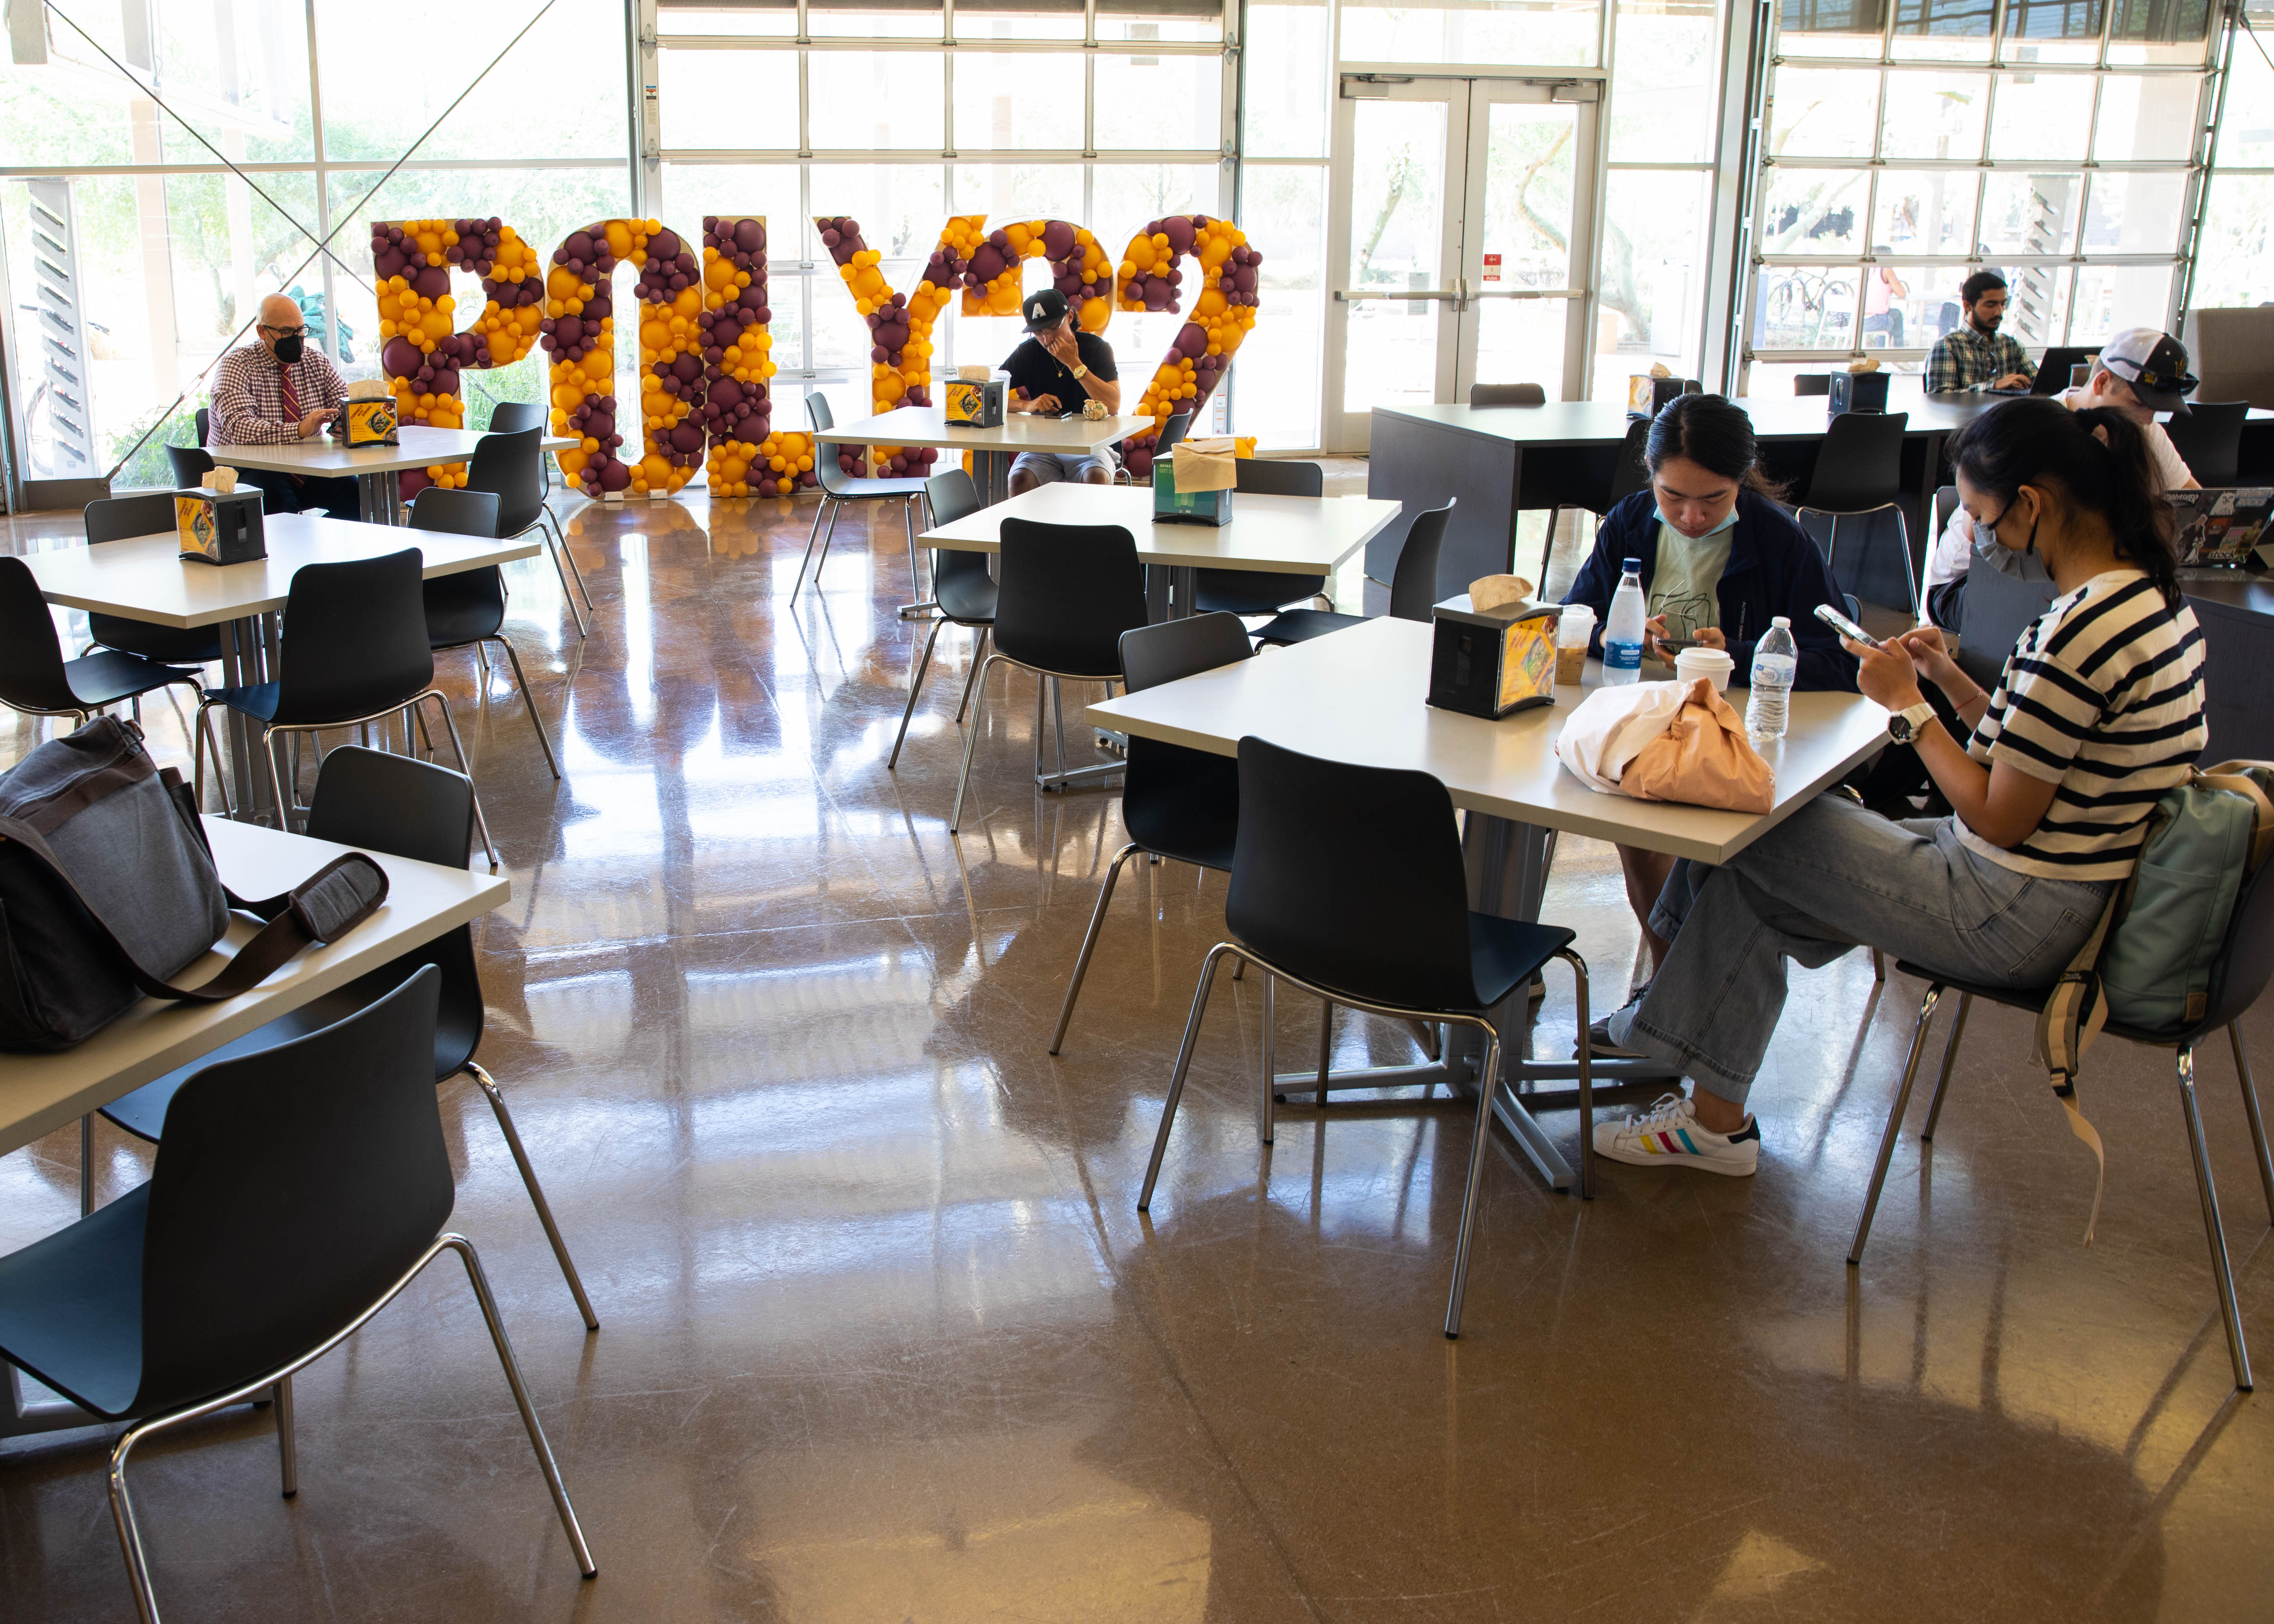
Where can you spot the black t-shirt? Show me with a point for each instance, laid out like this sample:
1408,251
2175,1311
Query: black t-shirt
1038,372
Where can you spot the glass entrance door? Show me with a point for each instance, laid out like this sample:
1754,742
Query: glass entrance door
1462,233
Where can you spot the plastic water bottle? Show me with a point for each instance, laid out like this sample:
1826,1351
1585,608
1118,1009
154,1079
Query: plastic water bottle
1776,664
1622,631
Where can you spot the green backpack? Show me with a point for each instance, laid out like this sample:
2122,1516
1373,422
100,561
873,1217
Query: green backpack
2150,962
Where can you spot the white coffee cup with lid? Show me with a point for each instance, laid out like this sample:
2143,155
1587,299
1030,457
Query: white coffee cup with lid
1692,663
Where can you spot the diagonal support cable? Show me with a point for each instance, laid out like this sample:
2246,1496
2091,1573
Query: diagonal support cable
322,247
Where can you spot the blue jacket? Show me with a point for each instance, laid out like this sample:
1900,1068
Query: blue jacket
1774,569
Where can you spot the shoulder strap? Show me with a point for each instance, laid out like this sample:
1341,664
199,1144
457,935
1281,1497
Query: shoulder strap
324,907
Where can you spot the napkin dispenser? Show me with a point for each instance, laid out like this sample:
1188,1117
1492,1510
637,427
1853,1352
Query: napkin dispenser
1203,494
973,404
220,527
1857,391
1491,662
1648,396
368,421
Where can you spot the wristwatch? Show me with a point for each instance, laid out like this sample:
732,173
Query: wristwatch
1079,372
1903,726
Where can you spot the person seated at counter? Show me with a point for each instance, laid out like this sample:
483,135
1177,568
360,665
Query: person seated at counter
1057,368
2139,372
1974,356
1720,559
280,391
2097,713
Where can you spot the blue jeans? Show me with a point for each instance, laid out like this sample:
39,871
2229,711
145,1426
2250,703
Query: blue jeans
1909,889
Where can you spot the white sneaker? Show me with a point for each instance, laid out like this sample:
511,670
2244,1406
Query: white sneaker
1668,1136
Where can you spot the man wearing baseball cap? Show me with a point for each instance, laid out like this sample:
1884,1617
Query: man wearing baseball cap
2139,372
1053,372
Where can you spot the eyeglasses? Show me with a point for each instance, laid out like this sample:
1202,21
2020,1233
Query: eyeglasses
298,332
1987,528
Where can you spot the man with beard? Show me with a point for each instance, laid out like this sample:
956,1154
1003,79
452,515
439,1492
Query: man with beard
1975,358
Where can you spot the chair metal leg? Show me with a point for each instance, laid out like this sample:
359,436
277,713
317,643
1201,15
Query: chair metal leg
1895,1125
465,766
828,535
1326,1047
276,780
915,687
553,550
198,762
569,554
288,1447
1878,966
1546,550
1270,1061
122,1504
528,699
86,1164
1949,1056
971,681
2250,1110
908,523
1089,941
1176,1078
970,744
1485,1087
2222,1275
1586,1076
1041,709
535,1194
813,537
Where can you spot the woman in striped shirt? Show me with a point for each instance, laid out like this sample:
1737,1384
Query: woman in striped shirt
2097,713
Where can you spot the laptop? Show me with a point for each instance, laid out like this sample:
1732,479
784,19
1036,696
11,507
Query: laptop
2219,527
2054,372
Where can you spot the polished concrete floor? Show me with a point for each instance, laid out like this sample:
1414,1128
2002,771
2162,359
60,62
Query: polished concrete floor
883,1337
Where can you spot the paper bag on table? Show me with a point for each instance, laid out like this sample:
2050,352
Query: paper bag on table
1702,759
1204,465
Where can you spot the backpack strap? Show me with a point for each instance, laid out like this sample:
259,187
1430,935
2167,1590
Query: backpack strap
323,907
2241,778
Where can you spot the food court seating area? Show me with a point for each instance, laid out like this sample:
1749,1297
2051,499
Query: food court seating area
884,1334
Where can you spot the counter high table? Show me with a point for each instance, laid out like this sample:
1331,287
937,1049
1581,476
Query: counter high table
993,449
1359,695
372,468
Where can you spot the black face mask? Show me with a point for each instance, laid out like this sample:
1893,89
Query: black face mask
288,348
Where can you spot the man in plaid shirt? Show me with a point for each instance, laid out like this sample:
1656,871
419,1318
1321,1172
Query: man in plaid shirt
279,392
1976,356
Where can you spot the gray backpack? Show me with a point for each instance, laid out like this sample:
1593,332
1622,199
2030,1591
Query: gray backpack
107,891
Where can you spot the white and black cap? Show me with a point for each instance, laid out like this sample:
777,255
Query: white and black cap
2154,363
1044,310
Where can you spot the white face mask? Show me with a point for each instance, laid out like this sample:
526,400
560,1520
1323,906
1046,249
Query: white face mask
1728,519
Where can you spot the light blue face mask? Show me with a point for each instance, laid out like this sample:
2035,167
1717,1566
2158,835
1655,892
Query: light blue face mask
1728,519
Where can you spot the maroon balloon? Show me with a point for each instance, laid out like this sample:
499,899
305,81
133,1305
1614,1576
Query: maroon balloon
1192,340
750,236
987,263
1179,233
687,437
600,424
663,246
725,394
569,329
389,261
401,357
1057,239
432,282
615,477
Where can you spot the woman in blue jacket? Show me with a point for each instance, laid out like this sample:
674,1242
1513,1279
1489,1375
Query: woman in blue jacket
1720,559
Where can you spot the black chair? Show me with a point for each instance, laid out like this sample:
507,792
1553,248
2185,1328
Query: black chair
1507,394
466,610
1262,591
1628,475
1176,802
377,802
961,589
1806,384
203,420
839,487
2208,440
36,679
1392,936
509,467
298,1190
191,464
1067,593
1412,587
355,651
511,418
1859,470
150,514
2240,976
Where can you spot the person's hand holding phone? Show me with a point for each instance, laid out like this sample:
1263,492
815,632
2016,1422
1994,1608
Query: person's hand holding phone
1931,655
1886,674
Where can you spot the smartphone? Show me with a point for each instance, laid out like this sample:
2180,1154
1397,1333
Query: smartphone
1675,645
1845,627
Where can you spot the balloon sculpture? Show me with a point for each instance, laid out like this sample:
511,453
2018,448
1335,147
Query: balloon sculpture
900,326
747,457
1196,362
422,354
1078,269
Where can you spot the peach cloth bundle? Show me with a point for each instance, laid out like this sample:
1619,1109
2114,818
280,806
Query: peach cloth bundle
1697,754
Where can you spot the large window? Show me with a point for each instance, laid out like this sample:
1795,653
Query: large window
1108,114
136,253
2231,266
1909,144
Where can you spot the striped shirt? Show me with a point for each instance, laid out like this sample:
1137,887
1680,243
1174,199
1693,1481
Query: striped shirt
248,396
2104,697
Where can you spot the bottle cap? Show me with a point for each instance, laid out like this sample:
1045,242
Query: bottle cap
1784,621
1633,566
